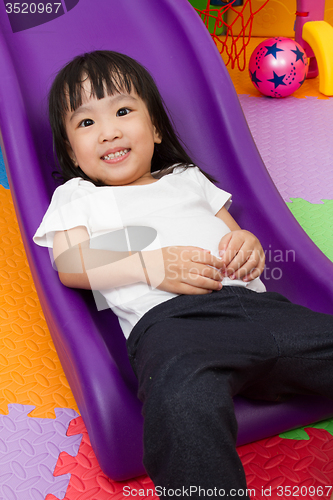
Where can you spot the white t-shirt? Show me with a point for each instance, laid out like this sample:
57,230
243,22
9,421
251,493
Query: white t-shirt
177,210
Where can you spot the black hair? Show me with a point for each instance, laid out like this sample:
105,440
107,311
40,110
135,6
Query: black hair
111,72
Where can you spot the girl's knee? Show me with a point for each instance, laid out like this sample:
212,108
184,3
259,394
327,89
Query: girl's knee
192,399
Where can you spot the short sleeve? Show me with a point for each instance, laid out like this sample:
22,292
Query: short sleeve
68,209
216,197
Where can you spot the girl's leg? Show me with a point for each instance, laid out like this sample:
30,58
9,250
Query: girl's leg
189,367
194,353
190,433
305,342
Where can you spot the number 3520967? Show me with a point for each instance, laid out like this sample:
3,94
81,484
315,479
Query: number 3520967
32,8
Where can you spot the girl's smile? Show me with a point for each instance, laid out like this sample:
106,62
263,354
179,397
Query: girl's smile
115,156
112,139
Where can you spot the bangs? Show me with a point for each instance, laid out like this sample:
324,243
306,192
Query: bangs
108,74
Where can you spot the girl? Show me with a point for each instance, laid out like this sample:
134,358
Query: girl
138,221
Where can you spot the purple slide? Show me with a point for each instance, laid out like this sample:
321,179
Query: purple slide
168,37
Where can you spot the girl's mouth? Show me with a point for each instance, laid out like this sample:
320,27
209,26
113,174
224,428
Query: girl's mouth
117,155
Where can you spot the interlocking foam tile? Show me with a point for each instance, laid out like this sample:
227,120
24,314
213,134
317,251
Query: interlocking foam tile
294,138
280,468
87,481
300,433
3,175
29,449
30,368
273,467
317,221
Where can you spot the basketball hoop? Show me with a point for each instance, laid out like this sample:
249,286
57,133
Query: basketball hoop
231,29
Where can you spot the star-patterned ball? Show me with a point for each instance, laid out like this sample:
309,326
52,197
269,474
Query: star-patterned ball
278,66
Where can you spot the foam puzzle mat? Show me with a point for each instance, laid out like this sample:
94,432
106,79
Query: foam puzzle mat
294,137
30,369
45,452
29,449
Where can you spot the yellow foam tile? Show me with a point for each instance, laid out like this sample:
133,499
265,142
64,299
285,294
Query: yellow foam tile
31,373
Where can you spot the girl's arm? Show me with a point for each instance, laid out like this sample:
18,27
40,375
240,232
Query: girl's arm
181,270
79,266
241,251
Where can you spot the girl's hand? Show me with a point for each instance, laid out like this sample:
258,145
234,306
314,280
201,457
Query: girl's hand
187,270
242,255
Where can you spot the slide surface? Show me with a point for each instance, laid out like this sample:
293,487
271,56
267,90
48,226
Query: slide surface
319,35
171,41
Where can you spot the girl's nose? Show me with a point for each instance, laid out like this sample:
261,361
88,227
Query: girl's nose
109,132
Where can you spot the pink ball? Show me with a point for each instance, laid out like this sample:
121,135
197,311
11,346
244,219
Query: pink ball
278,66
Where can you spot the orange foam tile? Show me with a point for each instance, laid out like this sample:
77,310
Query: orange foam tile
31,372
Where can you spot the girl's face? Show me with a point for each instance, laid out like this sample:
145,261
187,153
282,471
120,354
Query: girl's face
112,139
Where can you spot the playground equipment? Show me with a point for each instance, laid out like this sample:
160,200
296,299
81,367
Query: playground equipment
312,33
237,34
308,11
89,342
316,37
319,35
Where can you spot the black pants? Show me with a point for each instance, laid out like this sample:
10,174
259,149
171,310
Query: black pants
193,353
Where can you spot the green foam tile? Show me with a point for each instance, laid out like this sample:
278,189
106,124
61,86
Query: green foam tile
300,433
317,221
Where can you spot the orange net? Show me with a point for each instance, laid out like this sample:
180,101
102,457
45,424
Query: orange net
231,29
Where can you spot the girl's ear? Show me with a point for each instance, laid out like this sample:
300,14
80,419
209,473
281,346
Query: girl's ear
157,136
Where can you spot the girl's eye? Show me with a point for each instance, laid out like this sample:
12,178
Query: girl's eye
86,122
123,111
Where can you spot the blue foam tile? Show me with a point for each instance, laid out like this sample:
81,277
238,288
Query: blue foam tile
3,175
